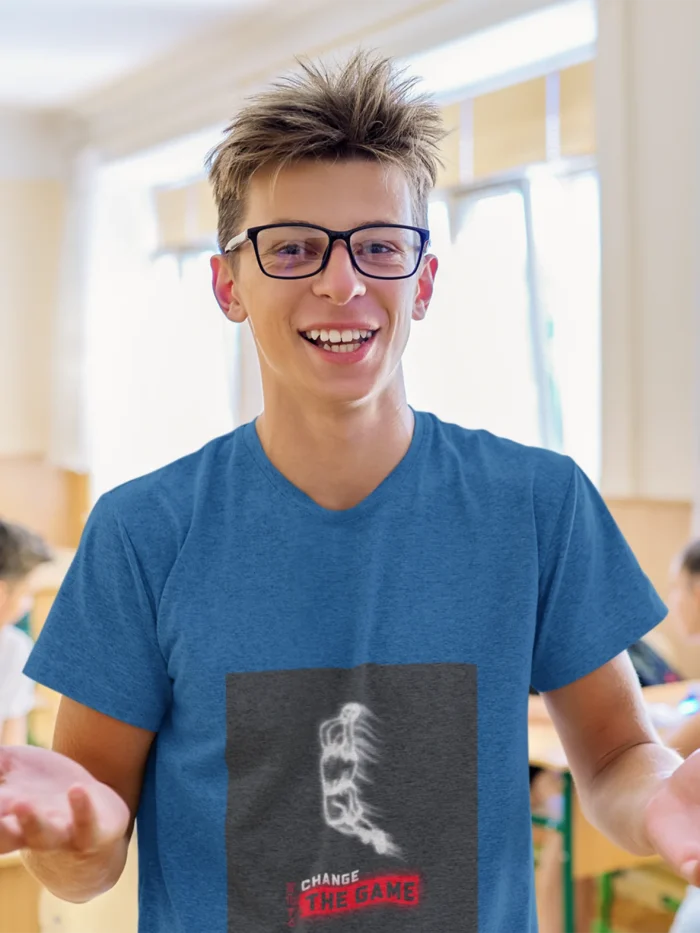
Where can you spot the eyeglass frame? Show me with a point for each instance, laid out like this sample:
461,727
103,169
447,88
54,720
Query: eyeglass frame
251,235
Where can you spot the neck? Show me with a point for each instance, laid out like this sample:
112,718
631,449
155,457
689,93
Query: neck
337,455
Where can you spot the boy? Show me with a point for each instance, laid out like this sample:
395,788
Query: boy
21,551
294,652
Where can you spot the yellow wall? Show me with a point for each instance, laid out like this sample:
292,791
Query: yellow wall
510,128
32,224
31,232
577,110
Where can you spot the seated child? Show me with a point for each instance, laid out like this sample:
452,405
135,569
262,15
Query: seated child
21,551
684,603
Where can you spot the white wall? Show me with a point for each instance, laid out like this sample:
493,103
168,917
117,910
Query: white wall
648,73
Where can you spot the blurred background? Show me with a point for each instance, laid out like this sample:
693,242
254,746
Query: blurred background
567,222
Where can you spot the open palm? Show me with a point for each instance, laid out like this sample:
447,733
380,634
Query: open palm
673,819
48,801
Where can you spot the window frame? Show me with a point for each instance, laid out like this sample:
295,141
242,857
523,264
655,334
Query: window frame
520,180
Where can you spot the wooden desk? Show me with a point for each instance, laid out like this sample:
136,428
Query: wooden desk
19,897
587,853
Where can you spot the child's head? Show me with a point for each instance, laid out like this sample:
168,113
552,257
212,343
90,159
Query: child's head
336,149
21,551
684,598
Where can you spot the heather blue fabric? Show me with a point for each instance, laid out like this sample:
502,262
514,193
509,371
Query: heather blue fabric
217,605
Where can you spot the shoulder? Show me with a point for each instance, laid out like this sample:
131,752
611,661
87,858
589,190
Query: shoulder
163,500
500,463
139,528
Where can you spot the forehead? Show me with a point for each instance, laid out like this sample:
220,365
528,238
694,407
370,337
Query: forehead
338,195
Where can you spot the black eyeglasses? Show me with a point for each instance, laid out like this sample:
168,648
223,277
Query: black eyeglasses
298,251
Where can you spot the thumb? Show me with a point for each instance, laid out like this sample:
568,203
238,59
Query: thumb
689,870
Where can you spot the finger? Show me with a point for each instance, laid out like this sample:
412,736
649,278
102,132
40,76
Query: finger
690,870
41,833
84,819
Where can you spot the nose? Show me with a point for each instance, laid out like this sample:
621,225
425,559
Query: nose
340,281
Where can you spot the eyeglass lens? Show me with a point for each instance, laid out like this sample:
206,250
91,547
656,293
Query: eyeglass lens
294,251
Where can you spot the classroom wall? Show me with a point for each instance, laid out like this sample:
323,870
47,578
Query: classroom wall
648,114
201,84
33,204
32,207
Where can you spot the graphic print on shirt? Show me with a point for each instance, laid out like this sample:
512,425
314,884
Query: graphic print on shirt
352,799
348,744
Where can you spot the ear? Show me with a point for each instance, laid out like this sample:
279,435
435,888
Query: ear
226,290
425,286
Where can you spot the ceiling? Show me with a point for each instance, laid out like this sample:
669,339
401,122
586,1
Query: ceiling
53,52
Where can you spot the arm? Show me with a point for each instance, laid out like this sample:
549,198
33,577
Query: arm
14,731
686,737
115,754
616,758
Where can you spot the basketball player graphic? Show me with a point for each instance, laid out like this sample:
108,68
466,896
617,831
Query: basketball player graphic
347,745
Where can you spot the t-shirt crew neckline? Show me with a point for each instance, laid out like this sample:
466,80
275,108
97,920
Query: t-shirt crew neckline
390,485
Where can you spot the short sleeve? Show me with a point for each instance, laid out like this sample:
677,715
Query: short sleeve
99,643
594,599
17,691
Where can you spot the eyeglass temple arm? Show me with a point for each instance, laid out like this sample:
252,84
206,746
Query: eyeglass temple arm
236,241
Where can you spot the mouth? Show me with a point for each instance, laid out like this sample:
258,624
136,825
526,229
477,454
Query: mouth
335,341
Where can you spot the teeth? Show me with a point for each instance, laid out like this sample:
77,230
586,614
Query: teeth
342,347
346,337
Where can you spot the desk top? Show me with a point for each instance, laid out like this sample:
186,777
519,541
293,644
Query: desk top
545,748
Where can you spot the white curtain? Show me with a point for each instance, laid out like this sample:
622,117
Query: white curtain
68,439
160,352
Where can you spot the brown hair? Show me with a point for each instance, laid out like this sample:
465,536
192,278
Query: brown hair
21,550
362,110
690,559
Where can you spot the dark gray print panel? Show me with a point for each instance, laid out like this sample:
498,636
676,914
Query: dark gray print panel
352,800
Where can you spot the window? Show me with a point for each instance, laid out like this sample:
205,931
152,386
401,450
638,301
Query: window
160,352
511,341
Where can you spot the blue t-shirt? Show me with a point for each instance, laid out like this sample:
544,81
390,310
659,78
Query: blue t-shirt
340,697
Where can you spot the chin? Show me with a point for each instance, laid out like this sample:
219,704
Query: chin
346,398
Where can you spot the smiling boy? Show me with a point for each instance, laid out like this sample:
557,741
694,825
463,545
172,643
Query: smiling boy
295,653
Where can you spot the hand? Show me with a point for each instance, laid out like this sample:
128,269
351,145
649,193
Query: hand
672,819
50,802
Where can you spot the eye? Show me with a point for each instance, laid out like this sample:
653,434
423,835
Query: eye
296,249
376,247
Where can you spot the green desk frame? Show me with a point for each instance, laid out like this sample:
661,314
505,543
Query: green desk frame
603,922
565,827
